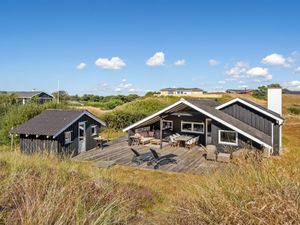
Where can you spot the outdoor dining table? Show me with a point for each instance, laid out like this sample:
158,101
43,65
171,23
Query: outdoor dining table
182,139
100,141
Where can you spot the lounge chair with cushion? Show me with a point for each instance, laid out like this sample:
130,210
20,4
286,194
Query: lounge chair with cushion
139,158
161,160
211,152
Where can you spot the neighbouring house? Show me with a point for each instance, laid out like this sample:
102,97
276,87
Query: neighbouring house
238,123
289,92
191,92
59,131
239,91
24,97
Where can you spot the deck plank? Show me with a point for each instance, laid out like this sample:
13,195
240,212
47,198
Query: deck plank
188,160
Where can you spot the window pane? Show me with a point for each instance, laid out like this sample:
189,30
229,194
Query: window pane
167,125
187,126
198,128
228,137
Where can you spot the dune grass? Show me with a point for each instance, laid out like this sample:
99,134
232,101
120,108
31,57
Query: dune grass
42,189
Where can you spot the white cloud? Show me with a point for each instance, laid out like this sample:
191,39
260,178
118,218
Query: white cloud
297,70
213,62
221,82
275,60
292,85
157,59
124,80
260,72
132,90
81,66
118,89
243,86
115,63
238,70
180,62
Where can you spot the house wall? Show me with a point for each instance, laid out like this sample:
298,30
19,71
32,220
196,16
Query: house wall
32,144
250,117
215,127
276,139
198,118
72,148
242,140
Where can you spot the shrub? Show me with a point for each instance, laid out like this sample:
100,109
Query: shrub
136,110
294,110
18,114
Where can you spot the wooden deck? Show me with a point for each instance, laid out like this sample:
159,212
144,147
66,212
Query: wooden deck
188,160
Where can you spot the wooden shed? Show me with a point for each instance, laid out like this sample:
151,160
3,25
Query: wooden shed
59,131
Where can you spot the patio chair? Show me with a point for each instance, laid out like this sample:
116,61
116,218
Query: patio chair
161,160
141,158
172,141
190,143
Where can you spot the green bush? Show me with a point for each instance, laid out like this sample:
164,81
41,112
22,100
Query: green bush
136,110
294,110
18,114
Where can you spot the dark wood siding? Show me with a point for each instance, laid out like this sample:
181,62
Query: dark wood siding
276,139
32,144
250,117
72,148
242,140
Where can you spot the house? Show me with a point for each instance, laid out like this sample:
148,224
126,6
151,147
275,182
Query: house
26,96
59,131
191,92
239,91
289,92
235,124
181,91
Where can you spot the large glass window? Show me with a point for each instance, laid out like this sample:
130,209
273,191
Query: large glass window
192,127
228,137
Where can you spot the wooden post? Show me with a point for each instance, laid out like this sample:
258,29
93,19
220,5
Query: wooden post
160,132
11,141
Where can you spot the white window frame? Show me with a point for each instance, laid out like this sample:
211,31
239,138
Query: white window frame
228,143
95,131
168,121
68,141
192,131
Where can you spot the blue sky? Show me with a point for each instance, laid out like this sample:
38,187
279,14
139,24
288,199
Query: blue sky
120,47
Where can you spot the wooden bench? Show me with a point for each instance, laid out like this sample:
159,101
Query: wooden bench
155,141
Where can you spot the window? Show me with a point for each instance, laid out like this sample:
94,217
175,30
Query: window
167,124
192,127
68,137
94,130
228,137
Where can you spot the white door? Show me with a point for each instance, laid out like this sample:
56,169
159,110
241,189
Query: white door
81,137
208,132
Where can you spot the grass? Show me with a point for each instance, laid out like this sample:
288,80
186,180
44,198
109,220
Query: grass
45,189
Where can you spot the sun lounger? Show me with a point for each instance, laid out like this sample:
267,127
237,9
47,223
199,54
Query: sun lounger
161,160
140,158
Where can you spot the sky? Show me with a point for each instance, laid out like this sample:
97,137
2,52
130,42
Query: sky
134,46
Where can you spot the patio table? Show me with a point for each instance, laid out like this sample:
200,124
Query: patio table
182,139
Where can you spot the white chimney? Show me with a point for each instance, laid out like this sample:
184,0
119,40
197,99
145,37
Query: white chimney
275,100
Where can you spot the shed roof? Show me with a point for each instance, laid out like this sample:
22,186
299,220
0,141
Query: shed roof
52,122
